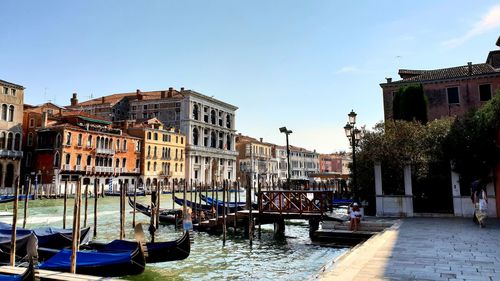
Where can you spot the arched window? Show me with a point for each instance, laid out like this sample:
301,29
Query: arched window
17,142
79,160
79,140
4,112
154,154
176,154
118,145
228,142
213,116
154,166
155,136
10,141
32,123
124,162
58,141
149,150
68,159
57,159
149,166
29,140
228,121
117,163
11,113
68,138
2,140
89,160
195,112
124,145
176,167
195,136
213,140
106,143
181,168
149,135
89,141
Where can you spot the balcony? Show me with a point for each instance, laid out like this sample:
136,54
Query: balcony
88,146
137,170
66,167
117,170
78,168
165,173
123,170
11,153
88,169
105,151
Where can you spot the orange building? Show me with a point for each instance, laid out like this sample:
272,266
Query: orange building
74,146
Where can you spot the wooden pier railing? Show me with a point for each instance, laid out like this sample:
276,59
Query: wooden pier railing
295,201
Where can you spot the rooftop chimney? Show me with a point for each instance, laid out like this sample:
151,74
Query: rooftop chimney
469,65
182,88
74,100
102,100
44,119
389,79
170,92
260,139
138,94
162,94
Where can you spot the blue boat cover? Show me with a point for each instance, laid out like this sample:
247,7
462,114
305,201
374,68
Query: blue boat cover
86,259
6,277
120,245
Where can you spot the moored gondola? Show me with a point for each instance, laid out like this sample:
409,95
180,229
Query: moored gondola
157,252
167,216
205,207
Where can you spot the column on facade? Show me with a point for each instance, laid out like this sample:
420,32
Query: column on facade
408,199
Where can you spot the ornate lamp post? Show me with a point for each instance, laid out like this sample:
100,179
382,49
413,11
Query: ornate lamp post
287,132
354,135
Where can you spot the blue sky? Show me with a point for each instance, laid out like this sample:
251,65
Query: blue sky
300,64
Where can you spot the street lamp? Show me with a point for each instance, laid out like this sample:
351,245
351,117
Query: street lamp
287,132
354,135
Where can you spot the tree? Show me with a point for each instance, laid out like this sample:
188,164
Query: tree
410,104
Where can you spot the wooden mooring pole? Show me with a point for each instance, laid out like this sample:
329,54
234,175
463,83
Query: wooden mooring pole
65,199
122,211
14,222
86,205
158,195
224,213
259,187
135,197
76,230
28,191
96,189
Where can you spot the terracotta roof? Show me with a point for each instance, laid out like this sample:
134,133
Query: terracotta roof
111,99
446,73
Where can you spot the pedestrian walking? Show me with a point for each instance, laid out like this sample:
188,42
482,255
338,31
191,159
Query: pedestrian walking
481,203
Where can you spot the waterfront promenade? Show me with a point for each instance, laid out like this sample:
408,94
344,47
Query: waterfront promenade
424,249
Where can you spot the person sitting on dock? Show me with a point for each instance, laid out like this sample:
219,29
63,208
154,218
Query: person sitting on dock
355,215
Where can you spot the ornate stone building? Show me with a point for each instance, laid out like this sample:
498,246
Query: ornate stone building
11,122
255,160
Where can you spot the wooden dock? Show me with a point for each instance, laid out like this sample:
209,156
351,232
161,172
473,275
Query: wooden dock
41,274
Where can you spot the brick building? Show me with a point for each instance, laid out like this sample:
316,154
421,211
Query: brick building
163,149
450,91
74,146
11,121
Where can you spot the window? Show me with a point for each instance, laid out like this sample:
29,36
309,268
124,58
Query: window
149,135
124,162
137,163
30,139
28,159
4,112
17,142
32,123
89,141
68,159
13,91
149,166
144,115
453,97
195,112
154,166
228,121
145,107
10,141
11,113
58,141
117,163
5,90
138,146
89,160
134,107
485,92
118,145
155,136
181,168
79,160
124,145
79,140
68,138
176,139
182,140
212,116
149,150
2,140
56,159
195,136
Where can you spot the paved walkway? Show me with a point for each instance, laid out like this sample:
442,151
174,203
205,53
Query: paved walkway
425,249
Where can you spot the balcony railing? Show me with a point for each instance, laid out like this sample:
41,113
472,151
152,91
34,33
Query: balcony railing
137,170
103,169
88,169
165,173
11,153
66,167
105,151
78,168
123,170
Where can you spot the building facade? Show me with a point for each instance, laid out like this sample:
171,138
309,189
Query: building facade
11,121
450,91
77,147
256,161
303,163
163,153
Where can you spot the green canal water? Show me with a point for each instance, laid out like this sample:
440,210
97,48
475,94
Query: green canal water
296,258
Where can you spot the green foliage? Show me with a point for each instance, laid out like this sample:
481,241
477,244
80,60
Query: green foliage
410,104
471,142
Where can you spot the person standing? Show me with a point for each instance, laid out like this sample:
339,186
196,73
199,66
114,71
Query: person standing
481,203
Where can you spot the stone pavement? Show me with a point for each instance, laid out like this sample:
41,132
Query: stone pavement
424,249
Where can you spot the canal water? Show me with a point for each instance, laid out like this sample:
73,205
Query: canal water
296,258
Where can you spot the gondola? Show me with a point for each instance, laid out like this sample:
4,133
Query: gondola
26,244
240,205
129,194
98,263
7,199
157,252
204,207
27,275
167,216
